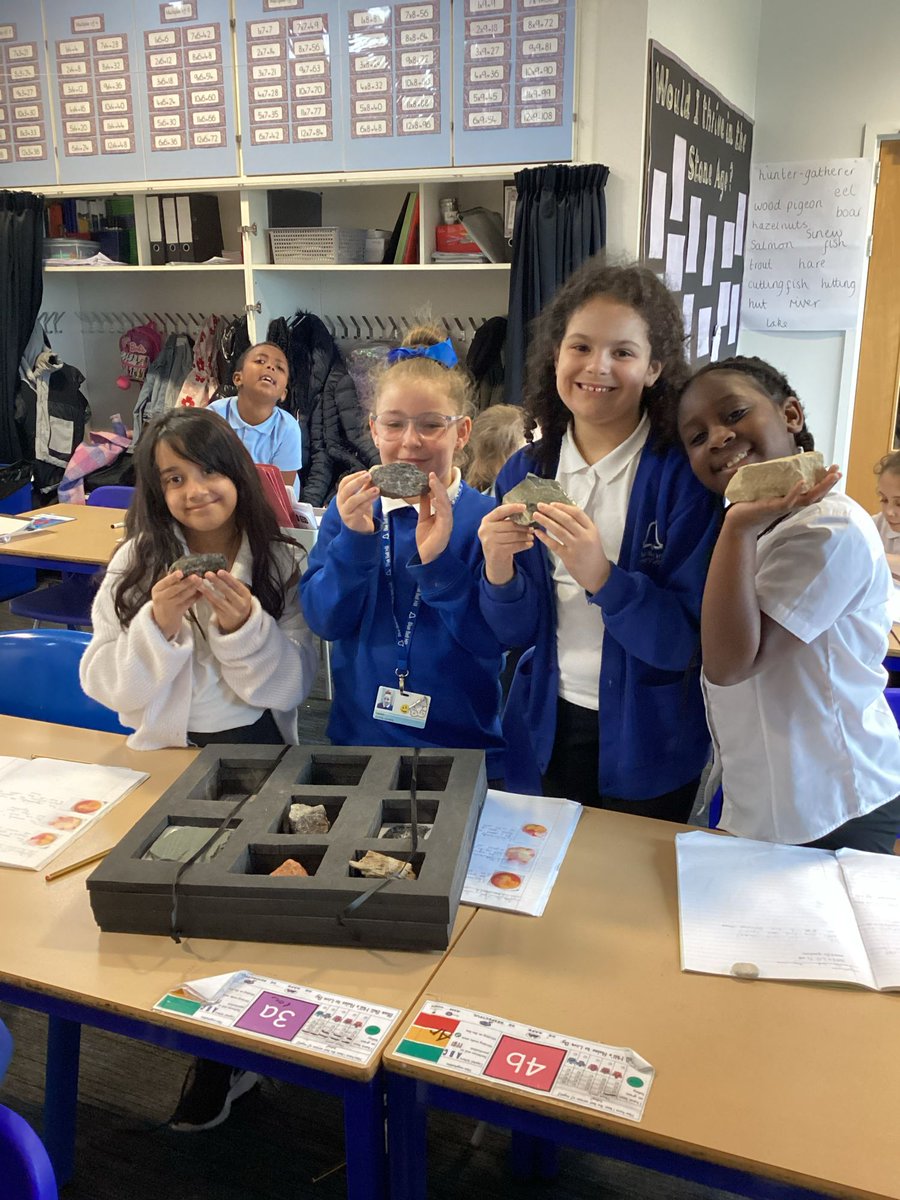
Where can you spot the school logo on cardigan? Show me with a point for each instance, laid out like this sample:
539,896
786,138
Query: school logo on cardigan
651,547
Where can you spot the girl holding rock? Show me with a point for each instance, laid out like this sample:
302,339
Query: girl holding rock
393,578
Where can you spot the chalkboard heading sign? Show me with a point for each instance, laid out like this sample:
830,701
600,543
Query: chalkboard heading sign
695,201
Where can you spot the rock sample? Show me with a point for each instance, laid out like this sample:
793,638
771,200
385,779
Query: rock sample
532,491
308,818
290,866
768,480
377,866
399,481
199,564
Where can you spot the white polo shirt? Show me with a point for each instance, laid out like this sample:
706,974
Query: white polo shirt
889,539
809,742
277,440
603,491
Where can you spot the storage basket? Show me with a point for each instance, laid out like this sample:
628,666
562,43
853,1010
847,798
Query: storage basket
317,244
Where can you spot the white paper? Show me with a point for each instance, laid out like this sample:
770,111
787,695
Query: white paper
739,223
213,987
519,847
873,884
709,256
658,215
806,244
291,1014
727,244
679,154
782,910
724,304
703,323
46,803
693,242
674,261
735,311
611,1079
687,312
714,350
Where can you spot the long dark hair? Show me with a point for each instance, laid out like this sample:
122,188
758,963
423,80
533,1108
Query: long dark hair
630,284
769,380
204,438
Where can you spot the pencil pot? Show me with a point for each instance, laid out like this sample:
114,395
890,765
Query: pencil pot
15,497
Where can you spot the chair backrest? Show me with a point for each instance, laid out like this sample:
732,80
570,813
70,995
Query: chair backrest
112,495
25,1168
6,1049
39,679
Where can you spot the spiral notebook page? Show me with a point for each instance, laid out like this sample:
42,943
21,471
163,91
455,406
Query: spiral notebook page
766,911
873,883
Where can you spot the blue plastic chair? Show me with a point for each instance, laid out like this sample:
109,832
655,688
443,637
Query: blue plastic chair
39,673
25,1169
6,1049
69,603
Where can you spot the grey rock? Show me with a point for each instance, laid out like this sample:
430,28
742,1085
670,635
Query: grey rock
399,481
532,491
308,818
199,564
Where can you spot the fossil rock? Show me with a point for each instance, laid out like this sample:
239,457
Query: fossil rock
308,818
199,564
767,480
290,866
399,481
377,866
531,492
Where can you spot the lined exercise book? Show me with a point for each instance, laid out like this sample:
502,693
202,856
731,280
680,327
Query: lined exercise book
763,910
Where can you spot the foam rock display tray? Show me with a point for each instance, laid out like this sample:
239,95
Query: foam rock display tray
234,896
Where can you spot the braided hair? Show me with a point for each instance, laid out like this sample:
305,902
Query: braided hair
769,380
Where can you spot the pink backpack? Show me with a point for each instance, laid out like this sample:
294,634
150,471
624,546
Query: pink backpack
138,348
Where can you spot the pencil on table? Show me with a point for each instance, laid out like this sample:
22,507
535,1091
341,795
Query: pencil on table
76,866
117,525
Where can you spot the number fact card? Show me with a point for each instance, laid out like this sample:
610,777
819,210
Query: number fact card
609,1079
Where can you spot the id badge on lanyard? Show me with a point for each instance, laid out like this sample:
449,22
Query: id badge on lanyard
392,701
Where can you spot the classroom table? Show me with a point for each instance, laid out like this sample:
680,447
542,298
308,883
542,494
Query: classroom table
54,959
762,1088
81,546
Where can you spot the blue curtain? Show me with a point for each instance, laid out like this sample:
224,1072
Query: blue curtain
560,221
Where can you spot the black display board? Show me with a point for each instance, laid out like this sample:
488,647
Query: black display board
695,201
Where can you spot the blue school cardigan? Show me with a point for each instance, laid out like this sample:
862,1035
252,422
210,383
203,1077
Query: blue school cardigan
454,656
652,725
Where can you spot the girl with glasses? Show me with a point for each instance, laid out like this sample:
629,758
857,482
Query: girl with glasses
393,583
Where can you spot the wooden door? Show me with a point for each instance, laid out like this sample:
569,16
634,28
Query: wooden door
874,431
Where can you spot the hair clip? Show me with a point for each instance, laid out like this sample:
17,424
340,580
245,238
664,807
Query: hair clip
442,353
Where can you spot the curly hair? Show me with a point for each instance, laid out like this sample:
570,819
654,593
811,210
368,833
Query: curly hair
631,284
769,380
204,438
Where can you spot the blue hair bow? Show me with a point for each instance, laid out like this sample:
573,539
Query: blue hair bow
442,353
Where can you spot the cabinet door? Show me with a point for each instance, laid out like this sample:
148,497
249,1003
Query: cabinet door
25,157
513,80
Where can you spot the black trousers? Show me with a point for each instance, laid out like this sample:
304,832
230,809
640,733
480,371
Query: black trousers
876,831
263,732
572,771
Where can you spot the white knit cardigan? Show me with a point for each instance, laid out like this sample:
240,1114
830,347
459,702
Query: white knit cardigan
148,680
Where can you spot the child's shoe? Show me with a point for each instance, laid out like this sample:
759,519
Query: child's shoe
208,1092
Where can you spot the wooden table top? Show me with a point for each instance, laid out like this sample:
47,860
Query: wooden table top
50,944
87,539
796,1081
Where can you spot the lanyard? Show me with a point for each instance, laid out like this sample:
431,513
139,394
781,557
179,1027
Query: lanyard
403,638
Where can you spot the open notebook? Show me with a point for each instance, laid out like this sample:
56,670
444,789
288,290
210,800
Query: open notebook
767,911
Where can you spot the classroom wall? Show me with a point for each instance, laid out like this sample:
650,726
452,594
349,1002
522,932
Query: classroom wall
719,42
827,68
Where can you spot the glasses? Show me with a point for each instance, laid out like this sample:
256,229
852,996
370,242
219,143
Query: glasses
429,426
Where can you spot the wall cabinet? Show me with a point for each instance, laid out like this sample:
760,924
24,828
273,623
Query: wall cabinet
86,309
